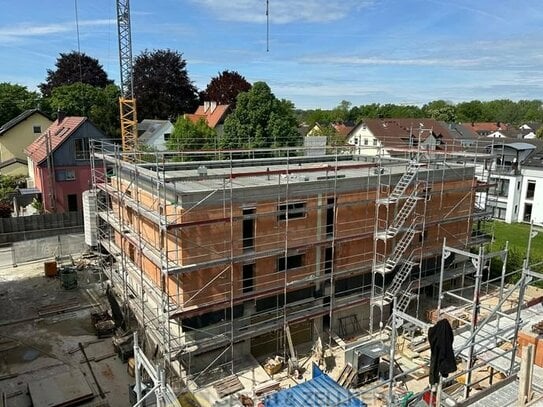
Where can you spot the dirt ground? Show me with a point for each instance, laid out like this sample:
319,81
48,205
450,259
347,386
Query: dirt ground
37,342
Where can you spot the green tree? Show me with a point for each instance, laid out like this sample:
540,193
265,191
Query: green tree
8,184
74,67
14,99
341,112
470,111
187,135
105,112
101,106
260,120
445,114
333,138
440,110
162,86
319,116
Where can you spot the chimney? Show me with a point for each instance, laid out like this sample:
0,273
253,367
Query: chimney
206,106
212,106
60,116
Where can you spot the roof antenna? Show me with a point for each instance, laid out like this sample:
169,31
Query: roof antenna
267,25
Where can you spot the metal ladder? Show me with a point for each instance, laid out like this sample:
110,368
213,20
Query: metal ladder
399,279
404,299
405,211
392,260
404,181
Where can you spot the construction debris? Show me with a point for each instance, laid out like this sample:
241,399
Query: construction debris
274,365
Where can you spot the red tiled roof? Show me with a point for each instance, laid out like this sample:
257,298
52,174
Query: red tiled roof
395,133
212,115
58,132
342,128
486,126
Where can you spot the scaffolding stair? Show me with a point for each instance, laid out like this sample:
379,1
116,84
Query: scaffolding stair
404,181
392,261
402,303
404,213
399,280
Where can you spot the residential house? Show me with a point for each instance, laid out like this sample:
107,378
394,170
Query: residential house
343,128
213,114
317,130
486,128
388,137
529,130
464,134
58,162
517,179
15,136
154,133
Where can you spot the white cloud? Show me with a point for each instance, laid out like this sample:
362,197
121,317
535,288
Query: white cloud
20,31
358,60
283,11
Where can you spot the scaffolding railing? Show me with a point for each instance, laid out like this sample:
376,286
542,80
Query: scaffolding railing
146,213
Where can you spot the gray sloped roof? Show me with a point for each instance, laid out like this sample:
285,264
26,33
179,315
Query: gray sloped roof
148,127
20,118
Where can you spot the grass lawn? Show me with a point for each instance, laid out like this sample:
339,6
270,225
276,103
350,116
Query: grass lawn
517,235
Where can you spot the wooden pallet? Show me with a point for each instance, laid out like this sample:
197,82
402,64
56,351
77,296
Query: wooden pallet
346,376
228,385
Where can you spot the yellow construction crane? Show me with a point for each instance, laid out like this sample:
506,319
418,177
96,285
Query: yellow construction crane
127,102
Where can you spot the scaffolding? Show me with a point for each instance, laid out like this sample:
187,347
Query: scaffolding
187,231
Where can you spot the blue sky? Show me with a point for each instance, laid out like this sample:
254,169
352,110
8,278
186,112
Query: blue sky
321,51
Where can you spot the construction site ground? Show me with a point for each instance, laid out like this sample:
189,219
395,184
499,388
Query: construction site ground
41,327
252,374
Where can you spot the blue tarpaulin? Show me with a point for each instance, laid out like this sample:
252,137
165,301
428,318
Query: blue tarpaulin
320,391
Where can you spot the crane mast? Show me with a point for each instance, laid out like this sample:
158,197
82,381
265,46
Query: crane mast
127,102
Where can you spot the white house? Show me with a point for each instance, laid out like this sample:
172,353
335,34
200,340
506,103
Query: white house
155,133
517,173
364,141
531,196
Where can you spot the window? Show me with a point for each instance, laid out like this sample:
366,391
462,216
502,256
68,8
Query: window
82,151
290,262
167,136
72,202
499,213
248,277
374,141
36,129
356,141
248,229
501,188
365,141
530,191
527,212
291,211
65,175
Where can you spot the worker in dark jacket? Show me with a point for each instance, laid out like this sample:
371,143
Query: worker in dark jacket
442,360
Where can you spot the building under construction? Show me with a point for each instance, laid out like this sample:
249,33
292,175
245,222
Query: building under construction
221,254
